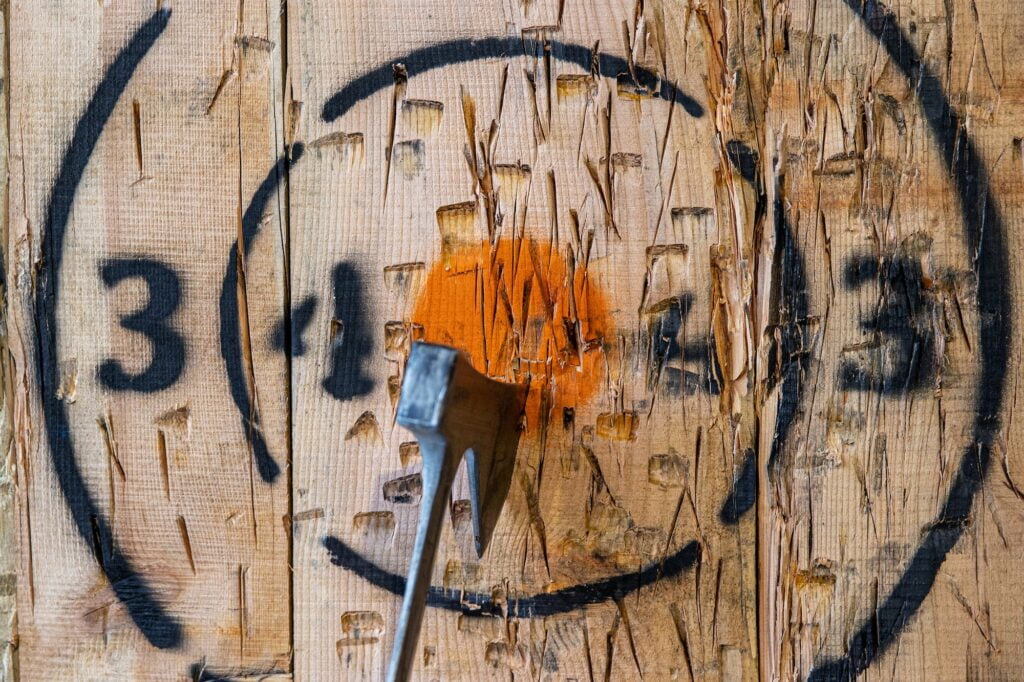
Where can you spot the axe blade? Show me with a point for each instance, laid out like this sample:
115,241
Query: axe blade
452,410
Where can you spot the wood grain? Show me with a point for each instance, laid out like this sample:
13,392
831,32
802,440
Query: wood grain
8,484
883,553
511,172
175,504
756,262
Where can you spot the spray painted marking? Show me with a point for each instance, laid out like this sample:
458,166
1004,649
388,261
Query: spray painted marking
153,320
528,301
980,215
468,50
540,605
981,218
145,610
230,329
572,598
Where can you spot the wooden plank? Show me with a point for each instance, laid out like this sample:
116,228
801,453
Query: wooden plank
892,522
8,516
151,547
742,253
546,186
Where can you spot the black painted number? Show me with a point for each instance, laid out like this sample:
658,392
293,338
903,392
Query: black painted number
901,355
168,347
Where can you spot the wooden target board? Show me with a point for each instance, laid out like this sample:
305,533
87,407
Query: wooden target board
755,263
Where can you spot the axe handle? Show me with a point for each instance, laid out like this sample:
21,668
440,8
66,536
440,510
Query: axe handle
440,463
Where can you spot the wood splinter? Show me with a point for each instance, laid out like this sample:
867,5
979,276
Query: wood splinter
452,410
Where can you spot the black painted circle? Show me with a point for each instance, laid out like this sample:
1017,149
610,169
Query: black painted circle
984,232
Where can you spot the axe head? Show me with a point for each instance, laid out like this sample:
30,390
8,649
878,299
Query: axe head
444,399
453,410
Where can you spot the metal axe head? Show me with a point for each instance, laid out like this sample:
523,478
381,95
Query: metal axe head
453,410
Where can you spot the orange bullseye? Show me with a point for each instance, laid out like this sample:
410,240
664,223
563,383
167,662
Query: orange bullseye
510,307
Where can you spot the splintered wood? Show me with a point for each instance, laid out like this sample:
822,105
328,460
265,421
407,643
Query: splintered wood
754,261
562,198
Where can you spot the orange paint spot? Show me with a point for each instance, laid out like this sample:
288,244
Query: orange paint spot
510,308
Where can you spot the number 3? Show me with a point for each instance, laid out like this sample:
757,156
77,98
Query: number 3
168,348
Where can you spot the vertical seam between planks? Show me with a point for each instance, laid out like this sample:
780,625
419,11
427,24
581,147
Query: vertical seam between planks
283,127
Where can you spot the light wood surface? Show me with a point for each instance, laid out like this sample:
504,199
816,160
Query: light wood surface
756,261
164,464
